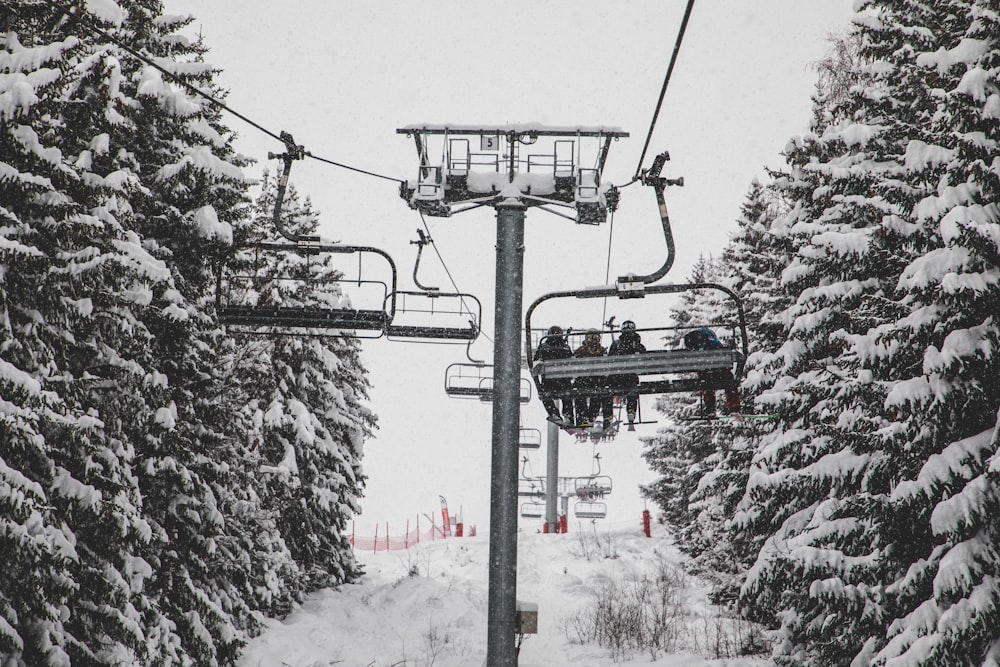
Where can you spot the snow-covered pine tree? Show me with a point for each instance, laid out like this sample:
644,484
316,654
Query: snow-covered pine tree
309,407
873,493
751,264
682,451
75,356
943,398
196,464
128,463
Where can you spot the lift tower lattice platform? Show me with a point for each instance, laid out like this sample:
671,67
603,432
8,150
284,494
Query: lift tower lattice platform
510,168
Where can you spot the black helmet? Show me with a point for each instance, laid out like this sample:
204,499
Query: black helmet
555,330
628,325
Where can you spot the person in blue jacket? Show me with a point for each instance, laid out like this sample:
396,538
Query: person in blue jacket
704,338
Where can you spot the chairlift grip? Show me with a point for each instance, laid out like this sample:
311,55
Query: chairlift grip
292,152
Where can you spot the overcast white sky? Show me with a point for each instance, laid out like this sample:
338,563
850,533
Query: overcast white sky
343,76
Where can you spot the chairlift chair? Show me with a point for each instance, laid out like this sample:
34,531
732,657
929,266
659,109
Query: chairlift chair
432,315
475,380
529,438
659,371
590,510
414,311
531,488
289,289
527,486
589,488
532,510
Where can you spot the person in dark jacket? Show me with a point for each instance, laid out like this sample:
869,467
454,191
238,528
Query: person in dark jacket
554,346
586,410
705,339
629,342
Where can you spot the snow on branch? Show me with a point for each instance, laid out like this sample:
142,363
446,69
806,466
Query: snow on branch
172,99
107,11
966,51
967,508
960,345
202,159
959,568
960,460
920,155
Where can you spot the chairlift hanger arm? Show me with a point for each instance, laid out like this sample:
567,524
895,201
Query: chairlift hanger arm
292,152
423,240
652,178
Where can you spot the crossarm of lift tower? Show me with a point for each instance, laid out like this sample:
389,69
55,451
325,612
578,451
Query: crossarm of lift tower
520,131
517,128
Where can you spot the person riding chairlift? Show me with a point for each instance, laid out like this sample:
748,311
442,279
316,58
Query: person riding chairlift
629,342
554,346
586,410
704,338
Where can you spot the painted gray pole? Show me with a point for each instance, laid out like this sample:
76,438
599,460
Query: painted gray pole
500,617
552,479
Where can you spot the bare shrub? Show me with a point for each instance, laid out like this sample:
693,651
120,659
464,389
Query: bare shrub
728,636
634,614
589,545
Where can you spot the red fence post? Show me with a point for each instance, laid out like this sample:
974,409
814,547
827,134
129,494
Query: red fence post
645,523
375,541
387,536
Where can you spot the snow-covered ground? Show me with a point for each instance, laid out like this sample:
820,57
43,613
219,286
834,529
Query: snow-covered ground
427,606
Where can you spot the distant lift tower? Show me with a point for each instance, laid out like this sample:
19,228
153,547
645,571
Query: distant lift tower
509,168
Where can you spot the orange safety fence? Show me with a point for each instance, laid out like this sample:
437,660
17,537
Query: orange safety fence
384,540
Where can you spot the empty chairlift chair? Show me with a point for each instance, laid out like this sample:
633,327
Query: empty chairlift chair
437,317
297,289
432,315
532,510
475,380
529,438
590,510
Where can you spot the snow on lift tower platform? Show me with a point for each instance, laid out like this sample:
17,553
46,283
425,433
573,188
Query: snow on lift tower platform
465,167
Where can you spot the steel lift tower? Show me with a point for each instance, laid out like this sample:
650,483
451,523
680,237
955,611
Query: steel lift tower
510,168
